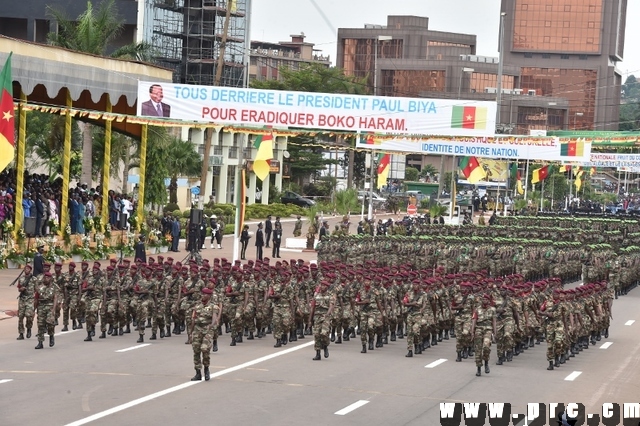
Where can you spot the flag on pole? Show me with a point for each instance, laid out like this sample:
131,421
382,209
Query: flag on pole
577,170
233,5
7,123
262,164
564,168
540,174
384,164
471,169
243,200
578,181
519,183
592,171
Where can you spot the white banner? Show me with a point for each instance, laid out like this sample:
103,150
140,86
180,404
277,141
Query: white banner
509,147
283,109
613,160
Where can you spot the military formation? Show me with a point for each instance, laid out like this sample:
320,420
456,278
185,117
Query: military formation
443,283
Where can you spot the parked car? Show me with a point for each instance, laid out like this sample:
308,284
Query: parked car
378,200
292,198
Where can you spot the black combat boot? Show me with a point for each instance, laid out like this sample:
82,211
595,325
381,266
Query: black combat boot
128,329
532,342
39,345
20,336
400,332
65,328
425,343
246,332
176,327
479,372
471,351
140,339
292,336
148,323
317,357
88,338
214,348
269,331
239,338
300,332
606,333
509,356
326,351
250,336
197,377
168,332
550,367
353,333
79,324
93,331
562,359
227,328
284,339
557,362
409,354
110,331
207,375
73,324
162,332
378,341
333,334
452,333
434,340
385,339
486,367
598,336
440,336
278,343
393,336
418,349
307,331
28,333
233,341
153,336
459,357
500,359
339,339
103,335
120,332
616,294
446,335
465,353
370,343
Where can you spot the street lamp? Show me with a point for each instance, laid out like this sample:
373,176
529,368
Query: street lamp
500,67
464,69
375,92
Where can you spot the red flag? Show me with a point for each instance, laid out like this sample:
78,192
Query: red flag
7,123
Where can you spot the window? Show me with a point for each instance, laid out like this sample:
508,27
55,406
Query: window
583,57
564,56
528,55
546,56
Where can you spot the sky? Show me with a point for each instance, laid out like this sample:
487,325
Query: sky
276,20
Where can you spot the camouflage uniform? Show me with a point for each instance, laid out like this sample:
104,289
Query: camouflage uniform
71,299
202,336
91,298
323,300
281,295
482,336
46,299
27,289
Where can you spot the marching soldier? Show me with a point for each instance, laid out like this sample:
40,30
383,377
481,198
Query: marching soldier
483,324
205,318
27,290
322,306
92,289
45,301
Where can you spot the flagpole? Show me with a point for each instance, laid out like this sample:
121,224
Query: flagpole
453,188
526,179
542,195
238,200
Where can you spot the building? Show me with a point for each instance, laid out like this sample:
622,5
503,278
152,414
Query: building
569,49
268,58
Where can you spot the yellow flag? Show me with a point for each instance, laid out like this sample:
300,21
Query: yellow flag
233,5
578,181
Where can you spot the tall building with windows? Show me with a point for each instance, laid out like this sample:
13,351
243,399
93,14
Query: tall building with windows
569,49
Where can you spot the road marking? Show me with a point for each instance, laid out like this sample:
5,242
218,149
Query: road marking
571,377
435,363
629,322
133,347
185,385
5,381
70,331
606,345
350,408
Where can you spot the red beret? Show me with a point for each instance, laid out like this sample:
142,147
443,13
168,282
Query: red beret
207,290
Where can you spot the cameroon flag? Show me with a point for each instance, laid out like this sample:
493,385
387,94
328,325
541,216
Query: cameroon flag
471,169
384,164
7,126
540,174
519,184
468,117
261,164
572,149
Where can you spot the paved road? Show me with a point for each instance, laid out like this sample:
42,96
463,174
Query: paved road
115,381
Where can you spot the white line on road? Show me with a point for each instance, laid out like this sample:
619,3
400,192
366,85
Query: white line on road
133,347
70,331
350,408
629,322
571,377
5,381
606,345
184,386
435,363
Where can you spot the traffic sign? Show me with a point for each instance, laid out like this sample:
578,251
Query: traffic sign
412,209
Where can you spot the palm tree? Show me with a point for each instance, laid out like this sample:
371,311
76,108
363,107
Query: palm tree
346,201
182,160
93,32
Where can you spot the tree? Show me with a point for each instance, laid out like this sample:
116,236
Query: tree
630,107
182,160
305,160
359,168
120,152
411,174
428,170
93,32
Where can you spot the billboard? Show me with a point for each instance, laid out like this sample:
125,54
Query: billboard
338,112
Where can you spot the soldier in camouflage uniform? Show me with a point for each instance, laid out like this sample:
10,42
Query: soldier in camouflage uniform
281,295
111,311
483,323
26,291
160,303
45,301
58,284
92,290
415,303
71,298
205,318
236,298
144,292
249,306
320,314
551,310
506,321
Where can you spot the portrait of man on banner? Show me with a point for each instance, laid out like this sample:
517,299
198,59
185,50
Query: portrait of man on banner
154,107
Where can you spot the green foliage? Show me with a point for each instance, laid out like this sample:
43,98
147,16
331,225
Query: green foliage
260,211
411,174
323,187
186,214
171,207
229,229
428,170
306,160
155,191
274,194
182,160
120,144
437,210
347,201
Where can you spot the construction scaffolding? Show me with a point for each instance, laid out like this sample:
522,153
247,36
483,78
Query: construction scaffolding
189,35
